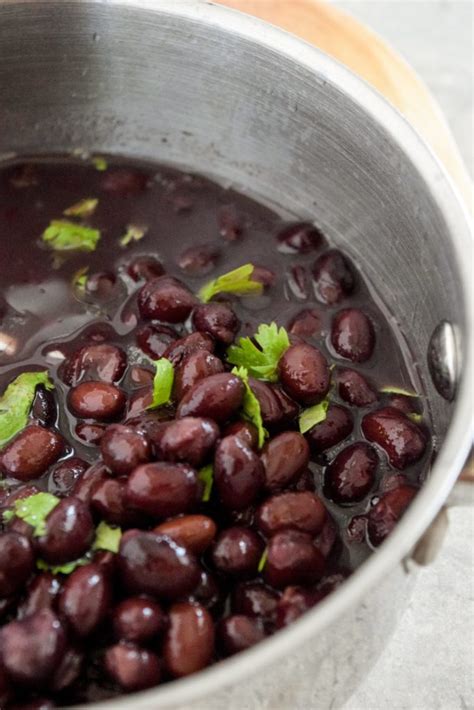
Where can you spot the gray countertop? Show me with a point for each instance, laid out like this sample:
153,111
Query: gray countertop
429,662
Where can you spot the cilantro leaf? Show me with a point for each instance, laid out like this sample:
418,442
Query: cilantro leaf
206,476
66,568
261,362
263,560
251,406
99,163
33,510
83,208
79,280
16,402
133,234
398,390
237,281
162,383
415,417
313,415
62,235
107,537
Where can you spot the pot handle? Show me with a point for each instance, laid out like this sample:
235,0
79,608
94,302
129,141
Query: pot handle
428,546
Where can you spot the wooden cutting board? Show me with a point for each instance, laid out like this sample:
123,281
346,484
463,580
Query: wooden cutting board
361,50
347,40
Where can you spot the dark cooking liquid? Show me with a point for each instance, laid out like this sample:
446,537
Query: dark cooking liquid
44,319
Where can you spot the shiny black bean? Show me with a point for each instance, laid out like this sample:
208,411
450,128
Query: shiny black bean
238,473
354,388
64,476
284,458
101,361
299,238
165,299
237,552
304,373
109,500
162,489
31,453
31,649
198,260
335,428
155,564
353,335
178,351
254,599
42,593
217,397
193,532
292,559
217,320
306,323
294,602
145,268
189,440
333,277
351,475
386,513
123,449
189,641
85,599
96,400
302,511
194,368
132,667
44,408
69,532
154,339
138,619
402,440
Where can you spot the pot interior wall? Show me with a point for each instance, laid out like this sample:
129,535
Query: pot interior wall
144,83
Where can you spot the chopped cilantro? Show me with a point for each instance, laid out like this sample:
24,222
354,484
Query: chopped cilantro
66,568
398,390
263,560
313,415
62,235
16,402
162,383
107,538
133,234
251,406
33,510
206,476
99,163
83,208
261,362
237,281
415,417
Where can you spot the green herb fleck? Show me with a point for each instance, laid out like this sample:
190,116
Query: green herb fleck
107,538
79,280
415,417
313,415
261,362
162,383
62,235
398,390
263,560
34,510
16,402
206,476
99,163
133,234
83,208
237,281
67,568
251,406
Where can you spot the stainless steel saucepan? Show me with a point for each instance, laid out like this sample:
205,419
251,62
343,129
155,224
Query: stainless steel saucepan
195,85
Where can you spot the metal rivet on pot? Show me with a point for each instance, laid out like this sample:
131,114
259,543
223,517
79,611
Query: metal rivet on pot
443,360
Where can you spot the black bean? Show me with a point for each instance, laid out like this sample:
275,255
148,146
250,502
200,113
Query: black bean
217,397
299,238
351,475
238,473
96,400
188,440
284,458
17,562
304,373
292,559
31,453
69,532
64,476
354,388
138,619
133,668
189,641
237,633
353,335
193,532
194,368
333,277
155,564
162,489
237,552
217,320
123,449
402,440
335,428
302,511
100,361
165,299
85,599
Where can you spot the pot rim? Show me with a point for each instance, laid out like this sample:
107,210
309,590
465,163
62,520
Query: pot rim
456,445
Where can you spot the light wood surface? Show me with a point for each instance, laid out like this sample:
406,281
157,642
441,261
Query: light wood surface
350,42
344,38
